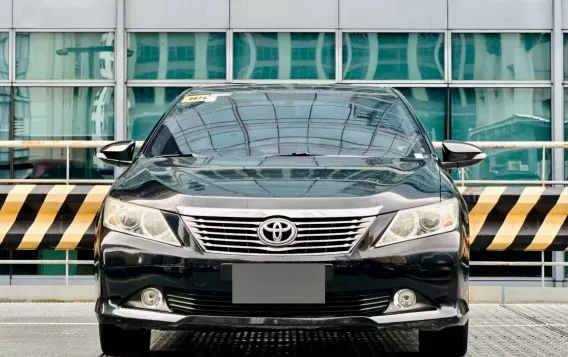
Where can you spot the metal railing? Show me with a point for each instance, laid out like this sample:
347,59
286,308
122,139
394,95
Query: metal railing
68,145
65,262
57,144
515,145
543,264
86,144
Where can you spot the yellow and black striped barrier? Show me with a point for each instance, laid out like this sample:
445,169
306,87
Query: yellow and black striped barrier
518,218
501,218
49,216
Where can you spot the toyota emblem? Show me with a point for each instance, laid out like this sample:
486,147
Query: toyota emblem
277,232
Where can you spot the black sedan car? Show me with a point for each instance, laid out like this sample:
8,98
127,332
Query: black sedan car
285,207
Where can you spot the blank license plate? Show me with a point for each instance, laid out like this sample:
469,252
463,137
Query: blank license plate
278,283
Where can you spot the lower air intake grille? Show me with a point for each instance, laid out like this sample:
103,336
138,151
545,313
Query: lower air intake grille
210,303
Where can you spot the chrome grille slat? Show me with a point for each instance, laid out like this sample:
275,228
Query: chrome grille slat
329,228
225,239
316,235
227,234
368,219
280,249
257,221
332,234
199,220
202,226
293,243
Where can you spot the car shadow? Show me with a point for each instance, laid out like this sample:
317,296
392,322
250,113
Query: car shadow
275,343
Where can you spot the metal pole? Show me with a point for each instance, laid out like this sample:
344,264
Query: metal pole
543,169
542,269
67,169
558,128
120,93
66,268
557,110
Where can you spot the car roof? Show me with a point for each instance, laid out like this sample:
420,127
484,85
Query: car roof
383,91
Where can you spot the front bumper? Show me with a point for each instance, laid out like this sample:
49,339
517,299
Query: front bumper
436,268
125,317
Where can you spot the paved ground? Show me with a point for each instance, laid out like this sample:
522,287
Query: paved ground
70,330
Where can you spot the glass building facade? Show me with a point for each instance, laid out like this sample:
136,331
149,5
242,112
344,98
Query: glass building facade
475,78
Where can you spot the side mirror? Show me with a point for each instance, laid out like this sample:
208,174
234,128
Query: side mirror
119,153
457,154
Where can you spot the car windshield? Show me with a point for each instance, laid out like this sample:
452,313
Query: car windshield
289,123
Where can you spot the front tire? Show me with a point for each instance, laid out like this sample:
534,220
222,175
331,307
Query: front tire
451,341
119,342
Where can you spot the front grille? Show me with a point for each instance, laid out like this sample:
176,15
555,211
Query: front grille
232,235
337,304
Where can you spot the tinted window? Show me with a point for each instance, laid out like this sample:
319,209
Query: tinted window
283,122
393,56
282,55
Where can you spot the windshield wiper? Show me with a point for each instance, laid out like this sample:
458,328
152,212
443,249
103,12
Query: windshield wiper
297,154
180,155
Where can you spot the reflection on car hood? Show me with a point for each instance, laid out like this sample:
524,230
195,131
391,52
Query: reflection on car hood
165,182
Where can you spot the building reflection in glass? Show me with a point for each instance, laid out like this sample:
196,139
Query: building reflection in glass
145,107
64,56
4,46
186,56
504,114
63,112
271,55
501,56
393,56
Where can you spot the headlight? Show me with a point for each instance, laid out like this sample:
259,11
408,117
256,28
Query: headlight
422,221
139,221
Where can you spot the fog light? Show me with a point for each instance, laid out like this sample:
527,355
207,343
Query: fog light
151,297
404,299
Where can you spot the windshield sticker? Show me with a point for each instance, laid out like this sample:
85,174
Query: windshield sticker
213,97
195,98
418,156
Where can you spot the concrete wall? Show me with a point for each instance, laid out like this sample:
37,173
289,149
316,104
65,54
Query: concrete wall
275,14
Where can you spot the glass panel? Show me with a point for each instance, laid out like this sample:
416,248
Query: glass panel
4,50
271,55
177,55
58,270
501,56
65,55
70,113
25,269
430,107
51,163
46,269
566,62
4,131
145,107
566,136
503,114
85,269
4,268
509,256
393,56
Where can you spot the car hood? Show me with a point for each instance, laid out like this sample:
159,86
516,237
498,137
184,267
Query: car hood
280,183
